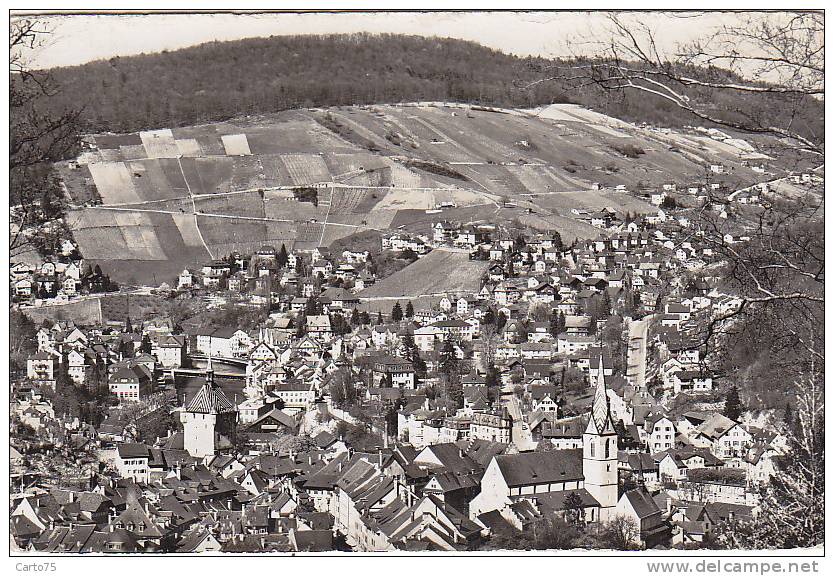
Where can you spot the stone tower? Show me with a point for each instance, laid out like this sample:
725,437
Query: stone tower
209,419
599,455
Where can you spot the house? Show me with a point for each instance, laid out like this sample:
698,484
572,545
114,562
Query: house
132,462
495,426
392,370
273,421
297,395
216,342
169,350
639,506
130,383
41,368
724,437
659,432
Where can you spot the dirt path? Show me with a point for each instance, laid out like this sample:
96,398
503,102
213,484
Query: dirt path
194,209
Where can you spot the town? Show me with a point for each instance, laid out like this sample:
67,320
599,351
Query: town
569,392
417,283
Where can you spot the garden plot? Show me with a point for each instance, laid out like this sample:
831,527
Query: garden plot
346,200
114,183
274,171
378,219
104,141
189,147
82,312
187,226
293,136
279,205
534,178
306,169
159,143
248,204
236,145
402,177
462,197
150,178
397,199
341,164
133,152
101,243
217,231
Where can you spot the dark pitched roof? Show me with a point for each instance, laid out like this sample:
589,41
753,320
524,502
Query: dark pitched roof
642,502
210,400
539,468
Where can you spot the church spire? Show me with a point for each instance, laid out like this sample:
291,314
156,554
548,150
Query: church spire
600,413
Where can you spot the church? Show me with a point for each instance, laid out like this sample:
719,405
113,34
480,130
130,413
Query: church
539,482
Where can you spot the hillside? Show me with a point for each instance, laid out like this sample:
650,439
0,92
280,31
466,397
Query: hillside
222,80
148,204
439,272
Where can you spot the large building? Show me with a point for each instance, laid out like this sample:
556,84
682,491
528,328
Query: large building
546,479
209,419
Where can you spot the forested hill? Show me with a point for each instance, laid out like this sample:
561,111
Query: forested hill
222,80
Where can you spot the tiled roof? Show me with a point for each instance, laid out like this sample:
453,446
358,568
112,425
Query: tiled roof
210,400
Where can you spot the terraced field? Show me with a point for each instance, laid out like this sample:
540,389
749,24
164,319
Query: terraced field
238,176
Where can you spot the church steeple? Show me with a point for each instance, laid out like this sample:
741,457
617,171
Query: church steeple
600,419
599,455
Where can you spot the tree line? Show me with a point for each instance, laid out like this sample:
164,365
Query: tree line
222,80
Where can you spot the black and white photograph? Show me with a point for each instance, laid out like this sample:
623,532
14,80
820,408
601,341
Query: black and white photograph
417,283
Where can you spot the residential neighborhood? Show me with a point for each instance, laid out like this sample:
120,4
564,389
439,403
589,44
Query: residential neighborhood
417,283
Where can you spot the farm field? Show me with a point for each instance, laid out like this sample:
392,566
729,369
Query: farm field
593,200
438,272
83,312
395,162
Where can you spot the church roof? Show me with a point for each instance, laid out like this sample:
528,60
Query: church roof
600,414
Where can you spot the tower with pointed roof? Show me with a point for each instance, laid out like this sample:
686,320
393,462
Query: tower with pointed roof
599,452
209,418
